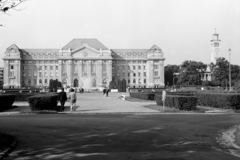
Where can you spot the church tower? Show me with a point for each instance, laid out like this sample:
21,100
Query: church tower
215,46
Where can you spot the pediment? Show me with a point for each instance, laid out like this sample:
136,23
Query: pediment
85,51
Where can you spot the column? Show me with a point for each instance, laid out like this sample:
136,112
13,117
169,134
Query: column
150,73
6,74
89,69
18,73
80,73
161,67
109,71
137,77
70,73
99,73
60,70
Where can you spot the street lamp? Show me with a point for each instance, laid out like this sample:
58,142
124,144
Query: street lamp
229,51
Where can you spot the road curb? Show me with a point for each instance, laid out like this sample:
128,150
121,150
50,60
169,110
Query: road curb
9,149
86,113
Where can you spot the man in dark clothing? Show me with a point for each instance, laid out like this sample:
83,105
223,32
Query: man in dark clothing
62,98
104,91
107,91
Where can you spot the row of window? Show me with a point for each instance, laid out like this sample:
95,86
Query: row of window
134,74
135,67
130,54
49,61
40,81
139,81
130,62
29,81
40,67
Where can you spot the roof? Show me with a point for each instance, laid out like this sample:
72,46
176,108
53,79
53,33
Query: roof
129,50
155,47
39,50
13,46
79,42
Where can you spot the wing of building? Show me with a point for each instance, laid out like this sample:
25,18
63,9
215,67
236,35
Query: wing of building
83,63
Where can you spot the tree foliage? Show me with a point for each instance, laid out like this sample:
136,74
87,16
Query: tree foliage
191,72
6,5
221,72
169,70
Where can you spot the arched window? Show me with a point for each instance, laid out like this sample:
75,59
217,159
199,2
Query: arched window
29,81
134,81
40,81
45,81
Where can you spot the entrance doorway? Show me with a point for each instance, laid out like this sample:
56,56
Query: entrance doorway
75,83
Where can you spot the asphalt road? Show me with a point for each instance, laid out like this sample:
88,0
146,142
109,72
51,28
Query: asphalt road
118,136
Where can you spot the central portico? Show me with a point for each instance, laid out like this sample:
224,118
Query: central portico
85,63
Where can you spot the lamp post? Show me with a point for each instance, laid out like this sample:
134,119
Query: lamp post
229,51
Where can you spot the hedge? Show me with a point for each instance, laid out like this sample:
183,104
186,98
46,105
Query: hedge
151,96
24,96
219,100
178,101
44,102
145,96
6,100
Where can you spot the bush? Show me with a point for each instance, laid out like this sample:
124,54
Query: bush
182,93
6,100
158,99
141,95
219,100
44,102
179,102
182,102
24,96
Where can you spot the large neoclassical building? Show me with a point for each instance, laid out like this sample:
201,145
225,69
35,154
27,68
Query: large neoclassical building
85,63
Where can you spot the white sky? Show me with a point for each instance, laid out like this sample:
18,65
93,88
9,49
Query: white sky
181,28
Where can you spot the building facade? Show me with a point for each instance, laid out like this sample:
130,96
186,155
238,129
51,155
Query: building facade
83,63
1,77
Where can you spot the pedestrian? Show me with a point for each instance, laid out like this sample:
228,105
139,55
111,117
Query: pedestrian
73,100
62,98
164,95
107,91
104,91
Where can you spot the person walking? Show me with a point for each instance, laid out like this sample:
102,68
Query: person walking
164,95
62,98
104,91
73,99
107,91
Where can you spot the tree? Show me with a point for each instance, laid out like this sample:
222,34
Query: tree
119,85
221,71
124,85
169,70
6,5
190,72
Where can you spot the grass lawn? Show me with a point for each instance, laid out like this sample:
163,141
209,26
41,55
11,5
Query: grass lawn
5,141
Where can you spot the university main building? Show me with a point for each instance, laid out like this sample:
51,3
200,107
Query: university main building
84,63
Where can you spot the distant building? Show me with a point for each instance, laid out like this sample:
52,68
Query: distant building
85,63
215,48
1,77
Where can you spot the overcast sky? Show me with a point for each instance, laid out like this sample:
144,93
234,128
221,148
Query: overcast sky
181,28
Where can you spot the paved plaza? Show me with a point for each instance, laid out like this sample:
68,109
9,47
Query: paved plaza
99,103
